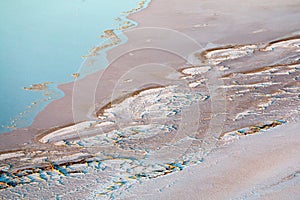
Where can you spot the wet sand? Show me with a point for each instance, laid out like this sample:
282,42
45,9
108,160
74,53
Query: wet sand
241,87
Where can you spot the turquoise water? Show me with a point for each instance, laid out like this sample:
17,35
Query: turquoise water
43,41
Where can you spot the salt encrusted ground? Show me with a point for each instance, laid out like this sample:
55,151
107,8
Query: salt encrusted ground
164,129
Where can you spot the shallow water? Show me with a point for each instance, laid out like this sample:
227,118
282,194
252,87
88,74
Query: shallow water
43,41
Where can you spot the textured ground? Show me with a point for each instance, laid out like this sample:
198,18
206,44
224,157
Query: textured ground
173,114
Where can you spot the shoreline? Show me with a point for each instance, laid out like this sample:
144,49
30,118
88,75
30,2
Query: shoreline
36,127
41,123
111,40
239,86
21,113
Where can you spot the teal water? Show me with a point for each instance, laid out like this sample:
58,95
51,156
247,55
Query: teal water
43,41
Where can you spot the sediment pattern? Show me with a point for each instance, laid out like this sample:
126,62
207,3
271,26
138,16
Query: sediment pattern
158,130
41,86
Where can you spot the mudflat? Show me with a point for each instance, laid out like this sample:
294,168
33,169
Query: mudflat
200,93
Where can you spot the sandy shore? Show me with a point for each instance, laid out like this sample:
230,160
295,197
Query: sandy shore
205,69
